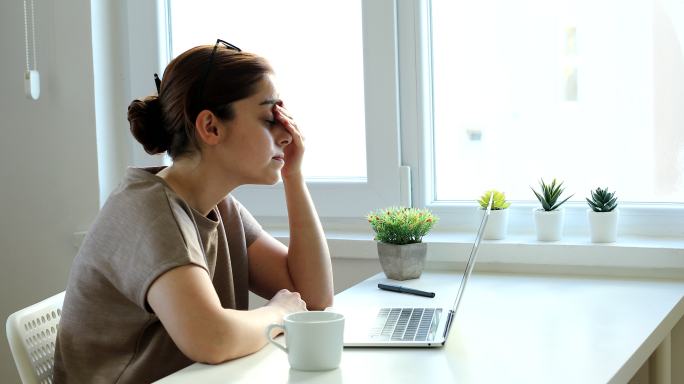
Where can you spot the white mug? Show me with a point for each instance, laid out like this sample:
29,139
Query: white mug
313,339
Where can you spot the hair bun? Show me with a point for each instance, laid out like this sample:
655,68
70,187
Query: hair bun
145,119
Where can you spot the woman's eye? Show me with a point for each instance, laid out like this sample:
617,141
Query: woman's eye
270,122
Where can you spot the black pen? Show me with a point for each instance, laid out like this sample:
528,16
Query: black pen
400,289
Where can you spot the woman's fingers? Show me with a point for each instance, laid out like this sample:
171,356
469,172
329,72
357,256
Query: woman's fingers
287,121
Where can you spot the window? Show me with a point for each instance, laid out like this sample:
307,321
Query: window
318,63
460,97
571,89
507,93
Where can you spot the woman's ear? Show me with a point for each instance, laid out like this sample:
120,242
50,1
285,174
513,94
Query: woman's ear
206,127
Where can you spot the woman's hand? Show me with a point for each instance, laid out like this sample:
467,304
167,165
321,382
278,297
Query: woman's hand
288,302
294,151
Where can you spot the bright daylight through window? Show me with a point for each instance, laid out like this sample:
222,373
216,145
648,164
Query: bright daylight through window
587,92
318,63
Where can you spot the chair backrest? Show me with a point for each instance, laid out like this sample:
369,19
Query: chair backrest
32,333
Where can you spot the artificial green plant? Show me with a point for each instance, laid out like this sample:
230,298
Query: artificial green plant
601,200
498,203
401,225
549,195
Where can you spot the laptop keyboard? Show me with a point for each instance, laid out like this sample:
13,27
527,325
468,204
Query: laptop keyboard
404,324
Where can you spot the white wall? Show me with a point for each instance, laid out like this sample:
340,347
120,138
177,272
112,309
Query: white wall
48,160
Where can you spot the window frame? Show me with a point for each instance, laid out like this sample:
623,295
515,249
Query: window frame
413,18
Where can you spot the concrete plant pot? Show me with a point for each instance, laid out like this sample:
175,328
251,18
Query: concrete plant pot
402,262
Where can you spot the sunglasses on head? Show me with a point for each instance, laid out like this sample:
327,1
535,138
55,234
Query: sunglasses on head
226,44
211,60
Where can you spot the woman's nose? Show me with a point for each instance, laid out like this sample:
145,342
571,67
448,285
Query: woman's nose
282,136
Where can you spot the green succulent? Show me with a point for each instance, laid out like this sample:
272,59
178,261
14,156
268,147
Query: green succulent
549,194
400,225
602,200
499,201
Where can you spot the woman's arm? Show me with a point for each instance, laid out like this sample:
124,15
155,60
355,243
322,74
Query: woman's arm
186,303
308,257
304,266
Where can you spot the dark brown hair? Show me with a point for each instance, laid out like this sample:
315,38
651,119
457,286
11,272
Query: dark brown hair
166,123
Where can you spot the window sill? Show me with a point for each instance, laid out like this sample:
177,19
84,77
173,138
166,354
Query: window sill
630,256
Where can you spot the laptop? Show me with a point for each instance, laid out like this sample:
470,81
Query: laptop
409,327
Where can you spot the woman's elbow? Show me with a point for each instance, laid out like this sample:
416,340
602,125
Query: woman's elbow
212,354
218,358
204,353
211,347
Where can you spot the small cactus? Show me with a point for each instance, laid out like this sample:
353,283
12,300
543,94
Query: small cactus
549,195
602,200
498,203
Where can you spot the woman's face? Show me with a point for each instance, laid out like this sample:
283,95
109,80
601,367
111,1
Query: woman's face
254,142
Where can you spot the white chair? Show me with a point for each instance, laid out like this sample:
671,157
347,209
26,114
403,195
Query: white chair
32,333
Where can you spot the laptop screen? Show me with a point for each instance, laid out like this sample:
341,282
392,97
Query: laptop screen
473,253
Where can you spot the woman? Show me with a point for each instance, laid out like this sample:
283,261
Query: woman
163,275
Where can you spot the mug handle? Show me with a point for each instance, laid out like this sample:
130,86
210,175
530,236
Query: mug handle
270,340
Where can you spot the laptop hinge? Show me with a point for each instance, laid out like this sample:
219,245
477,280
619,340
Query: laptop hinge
449,320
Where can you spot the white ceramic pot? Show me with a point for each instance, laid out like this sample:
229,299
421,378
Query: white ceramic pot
497,225
549,224
603,226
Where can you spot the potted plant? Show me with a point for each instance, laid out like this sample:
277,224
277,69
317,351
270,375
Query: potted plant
497,225
549,219
399,234
603,215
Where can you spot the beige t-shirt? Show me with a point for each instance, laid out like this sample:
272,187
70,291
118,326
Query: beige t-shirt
107,332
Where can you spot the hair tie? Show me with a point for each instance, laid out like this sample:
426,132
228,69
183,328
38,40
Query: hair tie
157,82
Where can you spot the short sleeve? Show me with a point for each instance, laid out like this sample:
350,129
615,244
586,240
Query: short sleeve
139,237
251,226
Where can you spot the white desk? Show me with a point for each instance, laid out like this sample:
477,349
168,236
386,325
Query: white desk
509,329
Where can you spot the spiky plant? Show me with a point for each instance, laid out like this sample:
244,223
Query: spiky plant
498,203
549,194
400,225
602,200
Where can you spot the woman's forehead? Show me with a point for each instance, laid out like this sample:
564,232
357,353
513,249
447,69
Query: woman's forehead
267,94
